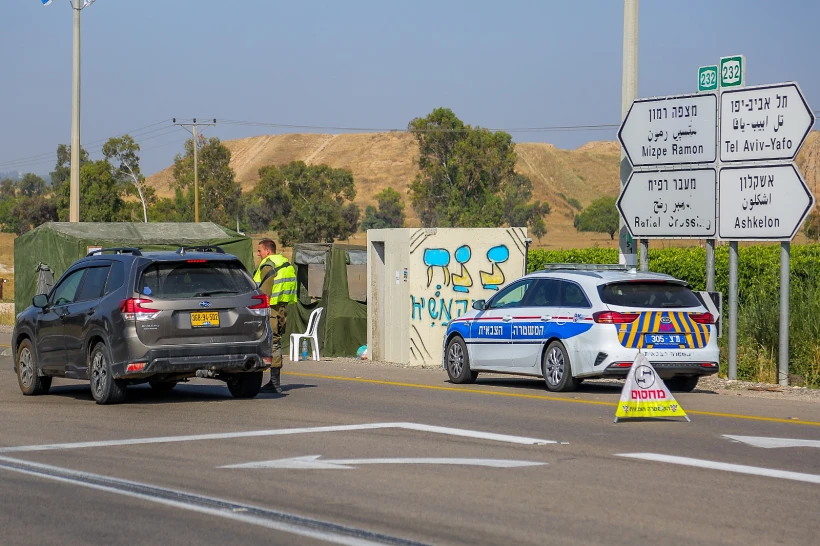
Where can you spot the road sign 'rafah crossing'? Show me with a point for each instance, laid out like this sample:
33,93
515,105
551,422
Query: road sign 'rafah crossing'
670,204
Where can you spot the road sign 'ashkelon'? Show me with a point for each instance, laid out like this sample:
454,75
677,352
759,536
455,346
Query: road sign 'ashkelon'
673,130
670,204
762,203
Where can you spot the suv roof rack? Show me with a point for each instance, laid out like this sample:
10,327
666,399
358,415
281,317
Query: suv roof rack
203,248
117,250
587,267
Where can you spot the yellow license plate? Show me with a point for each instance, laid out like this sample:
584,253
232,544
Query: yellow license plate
205,320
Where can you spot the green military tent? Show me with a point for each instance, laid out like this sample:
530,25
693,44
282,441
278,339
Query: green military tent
334,277
60,244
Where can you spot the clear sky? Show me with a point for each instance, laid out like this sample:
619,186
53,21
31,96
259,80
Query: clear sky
372,64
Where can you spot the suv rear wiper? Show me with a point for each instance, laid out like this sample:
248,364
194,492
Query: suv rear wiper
214,292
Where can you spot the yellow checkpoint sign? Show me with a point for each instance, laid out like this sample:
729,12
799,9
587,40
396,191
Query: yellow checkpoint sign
646,395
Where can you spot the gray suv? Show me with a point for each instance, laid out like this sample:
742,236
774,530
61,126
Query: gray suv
122,317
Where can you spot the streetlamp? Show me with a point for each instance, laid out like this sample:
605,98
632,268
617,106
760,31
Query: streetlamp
74,186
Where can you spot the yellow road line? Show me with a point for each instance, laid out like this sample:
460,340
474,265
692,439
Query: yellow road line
541,397
1,345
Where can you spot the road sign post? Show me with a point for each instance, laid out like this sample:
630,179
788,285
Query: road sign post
764,199
739,184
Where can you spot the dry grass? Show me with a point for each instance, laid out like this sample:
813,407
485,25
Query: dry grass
6,316
7,265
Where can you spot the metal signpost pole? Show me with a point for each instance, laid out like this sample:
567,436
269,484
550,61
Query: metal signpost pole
783,353
629,92
644,254
732,371
708,82
710,265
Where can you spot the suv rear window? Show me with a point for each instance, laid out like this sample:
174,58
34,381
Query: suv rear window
655,295
174,280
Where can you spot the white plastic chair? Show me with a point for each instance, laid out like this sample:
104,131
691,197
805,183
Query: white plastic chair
310,333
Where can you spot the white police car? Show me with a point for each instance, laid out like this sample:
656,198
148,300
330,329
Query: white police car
576,322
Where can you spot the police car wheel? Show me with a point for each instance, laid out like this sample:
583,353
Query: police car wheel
557,369
458,362
682,383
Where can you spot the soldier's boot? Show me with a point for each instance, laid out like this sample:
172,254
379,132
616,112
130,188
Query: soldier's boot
274,385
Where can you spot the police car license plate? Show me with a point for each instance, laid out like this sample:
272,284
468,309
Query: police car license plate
208,319
665,340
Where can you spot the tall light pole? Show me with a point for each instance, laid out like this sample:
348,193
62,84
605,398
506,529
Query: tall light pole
74,185
629,92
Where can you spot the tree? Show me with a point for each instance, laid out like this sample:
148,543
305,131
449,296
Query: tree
123,150
601,216
219,193
100,194
62,171
518,211
310,203
811,227
464,171
30,212
7,189
390,213
31,185
172,209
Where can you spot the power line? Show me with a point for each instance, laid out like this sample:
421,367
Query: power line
545,129
49,156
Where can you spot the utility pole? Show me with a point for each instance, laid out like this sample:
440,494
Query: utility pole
629,92
192,128
74,184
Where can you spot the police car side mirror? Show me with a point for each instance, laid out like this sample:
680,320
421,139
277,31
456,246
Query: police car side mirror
478,305
40,300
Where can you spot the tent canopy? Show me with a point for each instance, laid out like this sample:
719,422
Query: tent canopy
340,269
60,244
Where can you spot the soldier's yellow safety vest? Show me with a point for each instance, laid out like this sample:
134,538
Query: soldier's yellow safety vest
284,283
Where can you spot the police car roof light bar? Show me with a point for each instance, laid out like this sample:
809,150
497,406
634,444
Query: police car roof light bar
586,267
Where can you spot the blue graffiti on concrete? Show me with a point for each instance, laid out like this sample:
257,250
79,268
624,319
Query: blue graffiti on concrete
437,257
493,279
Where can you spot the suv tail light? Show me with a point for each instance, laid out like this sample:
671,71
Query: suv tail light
613,317
262,308
132,309
702,318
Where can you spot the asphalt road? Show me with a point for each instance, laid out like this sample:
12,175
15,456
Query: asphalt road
379,454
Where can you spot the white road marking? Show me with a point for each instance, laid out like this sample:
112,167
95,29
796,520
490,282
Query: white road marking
279,521
769,443
714,465
312,462
282,432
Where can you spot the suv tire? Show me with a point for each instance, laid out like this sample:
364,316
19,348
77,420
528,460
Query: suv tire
104,388
245,385
28,374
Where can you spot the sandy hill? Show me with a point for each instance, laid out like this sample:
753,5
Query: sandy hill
378,160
